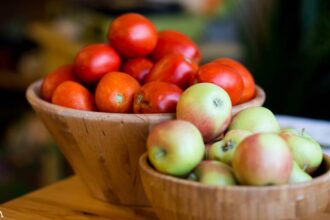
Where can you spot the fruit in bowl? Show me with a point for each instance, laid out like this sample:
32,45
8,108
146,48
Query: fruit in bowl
137,54
259,152
261,179
262,159
100,108
208,107
175,147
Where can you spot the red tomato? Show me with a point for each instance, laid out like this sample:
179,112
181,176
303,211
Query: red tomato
55,78
173,68
248,81
94,61
170,41
115,92
73,95
157,97
133,35
224,76
139,68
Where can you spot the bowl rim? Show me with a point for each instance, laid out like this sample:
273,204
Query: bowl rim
33,96
145,166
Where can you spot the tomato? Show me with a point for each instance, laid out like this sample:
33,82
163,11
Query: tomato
133,35
157,97
55,78
94,61
139,68
73,95
224,76
170,41
173,68
248,80
115,92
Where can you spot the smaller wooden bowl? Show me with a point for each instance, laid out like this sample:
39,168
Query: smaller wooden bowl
179,199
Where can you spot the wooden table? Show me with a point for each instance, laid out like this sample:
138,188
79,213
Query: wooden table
70,200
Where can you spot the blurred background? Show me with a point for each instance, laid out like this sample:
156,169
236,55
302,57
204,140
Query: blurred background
285,45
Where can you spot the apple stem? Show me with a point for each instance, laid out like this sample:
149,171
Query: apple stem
217,102
302,131
305,166
229,145
159,153
193,177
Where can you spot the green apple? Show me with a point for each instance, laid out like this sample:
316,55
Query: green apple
213,173
175,147
306,151
298,175
208,107
255,119
262,159
224,149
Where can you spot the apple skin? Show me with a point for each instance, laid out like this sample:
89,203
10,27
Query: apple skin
305,150
262,159
175,147
297,175
224,149
208,107
213,173
255,119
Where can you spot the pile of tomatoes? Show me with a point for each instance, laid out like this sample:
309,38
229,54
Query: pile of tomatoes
140,70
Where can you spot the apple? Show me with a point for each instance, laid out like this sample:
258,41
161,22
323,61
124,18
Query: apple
224,149
212,172
262,159
255,119
175,147
208,107
306,151
298,175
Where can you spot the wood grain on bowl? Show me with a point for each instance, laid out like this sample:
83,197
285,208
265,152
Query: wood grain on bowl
179,199
102,148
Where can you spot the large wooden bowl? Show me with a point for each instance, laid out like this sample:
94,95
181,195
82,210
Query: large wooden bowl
180,199
104,148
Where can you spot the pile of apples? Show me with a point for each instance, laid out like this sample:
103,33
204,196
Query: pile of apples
205,143
140,70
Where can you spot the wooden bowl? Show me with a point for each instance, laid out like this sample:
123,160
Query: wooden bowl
179,199
104,148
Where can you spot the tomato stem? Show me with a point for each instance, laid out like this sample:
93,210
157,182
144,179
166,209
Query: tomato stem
119,98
